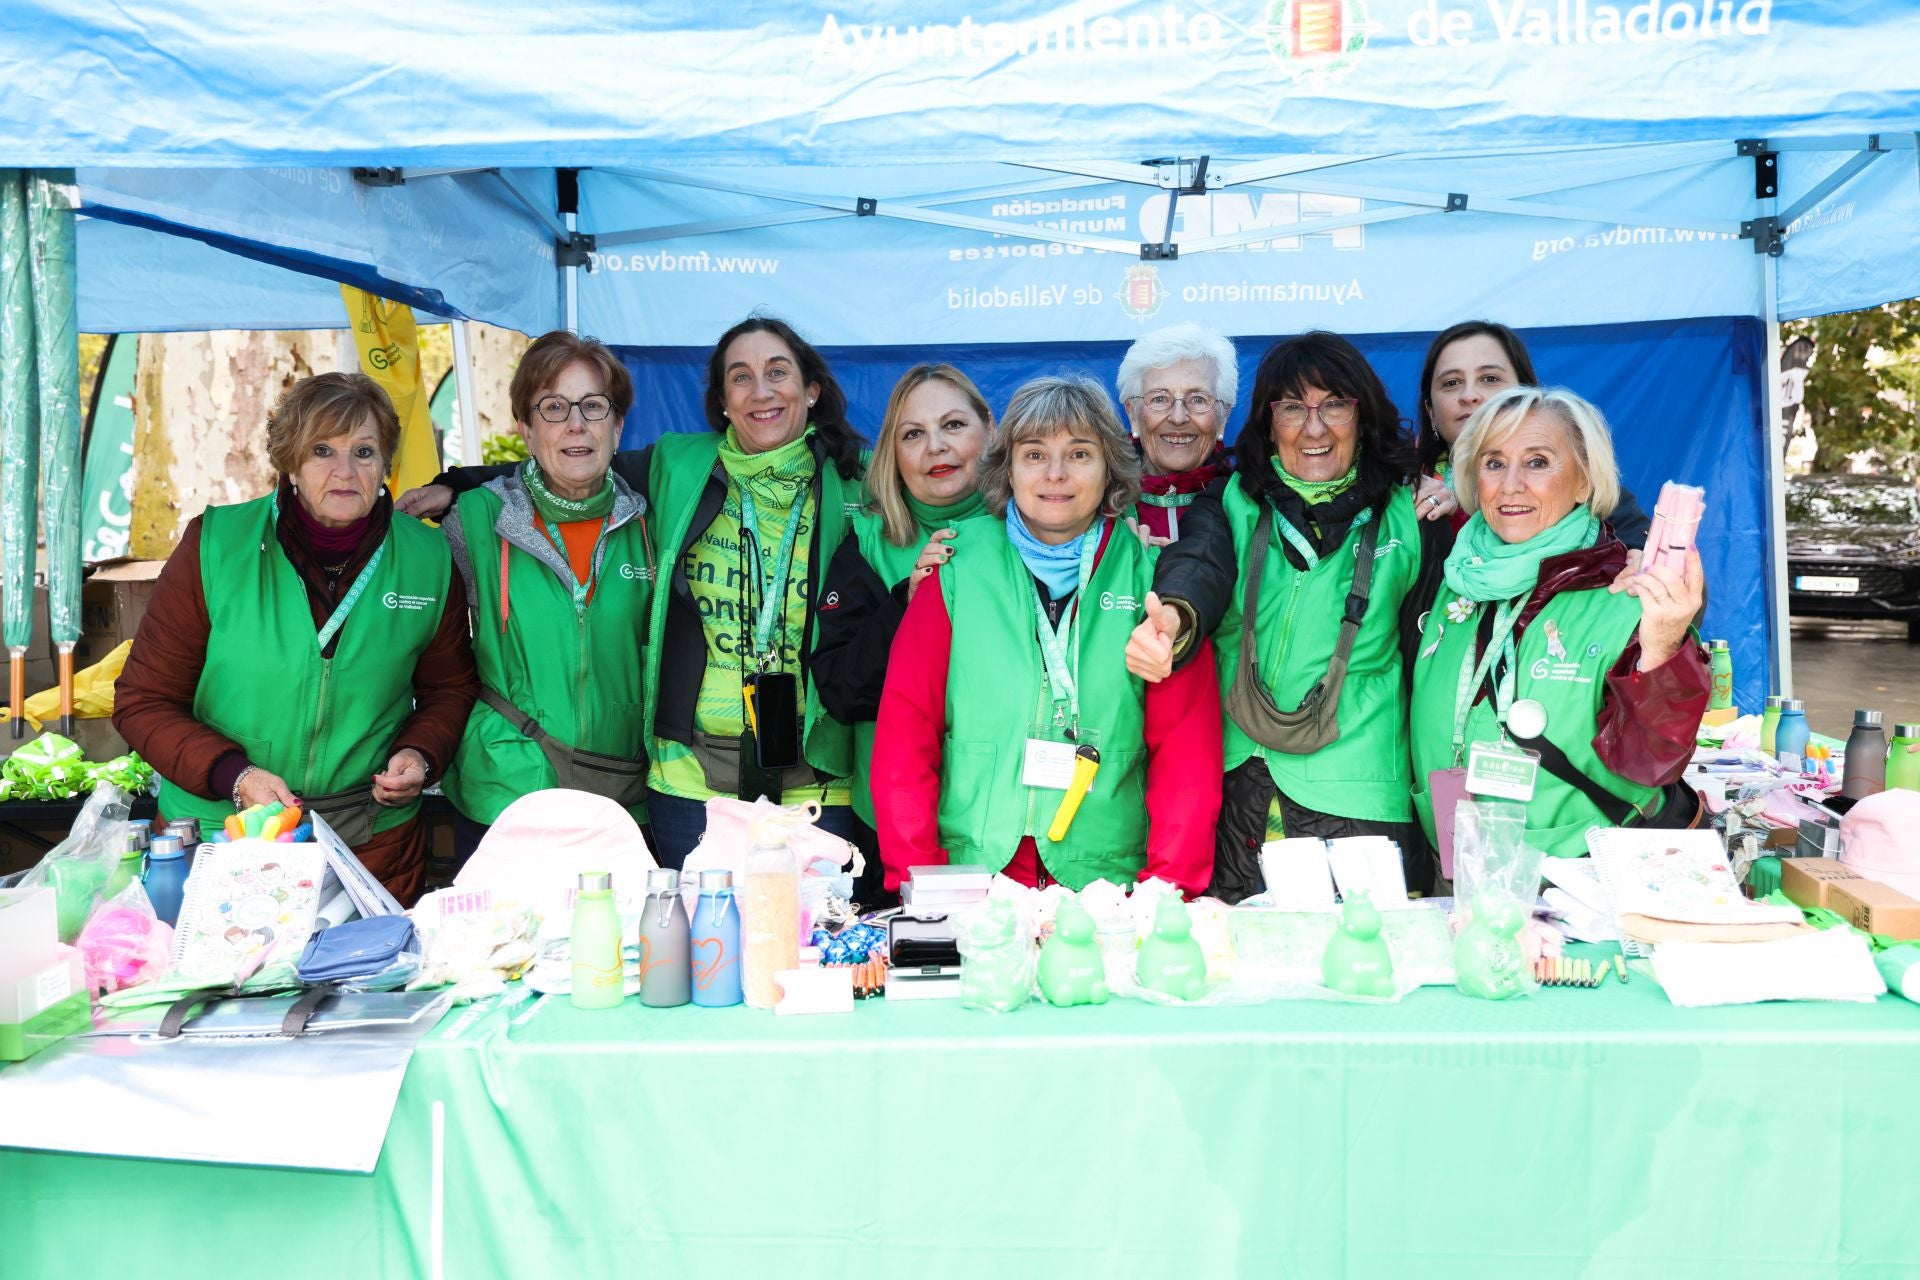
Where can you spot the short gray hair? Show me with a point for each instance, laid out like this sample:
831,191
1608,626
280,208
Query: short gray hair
1048,406
1173,344
1501,416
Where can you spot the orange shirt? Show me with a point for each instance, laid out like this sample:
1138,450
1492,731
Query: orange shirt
580,538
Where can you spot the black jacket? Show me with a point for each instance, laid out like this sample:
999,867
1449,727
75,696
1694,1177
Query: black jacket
1202,571
858,618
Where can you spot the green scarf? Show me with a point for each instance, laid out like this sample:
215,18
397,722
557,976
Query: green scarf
1481,567
1314,492
930,517
557,510
776,476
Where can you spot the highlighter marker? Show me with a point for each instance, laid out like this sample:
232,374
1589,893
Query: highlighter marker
1086,763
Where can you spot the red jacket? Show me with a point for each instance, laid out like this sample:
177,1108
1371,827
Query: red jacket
1183,740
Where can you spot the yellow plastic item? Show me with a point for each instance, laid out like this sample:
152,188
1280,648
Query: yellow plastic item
92,691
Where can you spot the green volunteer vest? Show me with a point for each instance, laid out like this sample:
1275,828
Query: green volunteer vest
997,689
893,564
682,463
324,725
1363,773
1564,656
578,674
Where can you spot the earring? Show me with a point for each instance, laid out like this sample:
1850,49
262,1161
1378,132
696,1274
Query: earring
810,403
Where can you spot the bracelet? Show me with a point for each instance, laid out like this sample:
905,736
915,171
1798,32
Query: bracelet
252,768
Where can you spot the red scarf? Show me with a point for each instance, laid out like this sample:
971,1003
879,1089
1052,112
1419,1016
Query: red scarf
1160,519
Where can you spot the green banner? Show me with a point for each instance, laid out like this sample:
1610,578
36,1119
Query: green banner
106,483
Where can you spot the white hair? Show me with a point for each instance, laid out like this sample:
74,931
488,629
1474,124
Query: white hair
1173,344
1502,415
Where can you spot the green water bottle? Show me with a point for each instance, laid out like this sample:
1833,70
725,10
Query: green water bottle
597,980
1903,757
1722,695
1769,725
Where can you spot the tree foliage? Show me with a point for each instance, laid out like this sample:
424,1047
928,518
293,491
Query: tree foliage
1863,388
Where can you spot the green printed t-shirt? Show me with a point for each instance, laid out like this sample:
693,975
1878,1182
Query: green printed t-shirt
716,576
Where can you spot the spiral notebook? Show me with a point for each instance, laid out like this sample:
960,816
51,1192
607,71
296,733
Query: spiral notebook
247,904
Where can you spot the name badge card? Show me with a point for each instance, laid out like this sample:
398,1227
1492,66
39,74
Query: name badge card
1502,772
1048,764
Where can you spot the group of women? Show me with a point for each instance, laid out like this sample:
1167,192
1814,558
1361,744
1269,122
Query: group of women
1056,645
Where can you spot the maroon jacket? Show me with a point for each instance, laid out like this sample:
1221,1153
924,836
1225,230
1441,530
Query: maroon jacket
1648,719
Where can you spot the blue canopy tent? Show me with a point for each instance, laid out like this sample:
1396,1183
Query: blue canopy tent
1644,189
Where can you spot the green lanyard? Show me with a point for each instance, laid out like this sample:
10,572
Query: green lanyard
1167,499
581,590
338,618
771,600
1305,548
1500,648
1063,674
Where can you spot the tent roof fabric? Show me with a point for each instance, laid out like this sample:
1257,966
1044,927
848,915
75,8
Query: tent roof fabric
208,83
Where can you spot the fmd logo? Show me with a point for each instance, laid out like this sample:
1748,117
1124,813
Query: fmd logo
1316,38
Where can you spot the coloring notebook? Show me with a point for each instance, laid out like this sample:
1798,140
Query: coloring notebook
247,904
1681,876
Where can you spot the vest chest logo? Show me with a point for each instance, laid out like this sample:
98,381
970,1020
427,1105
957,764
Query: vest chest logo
636,573
1380,550
1124,603
1557,665
410,604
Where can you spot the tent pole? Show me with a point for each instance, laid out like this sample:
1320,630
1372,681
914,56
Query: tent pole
570,286
466,412
1776,435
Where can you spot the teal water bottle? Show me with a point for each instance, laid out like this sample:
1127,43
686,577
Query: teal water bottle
1903,757
598,982
1769,723
1721,696
1790,738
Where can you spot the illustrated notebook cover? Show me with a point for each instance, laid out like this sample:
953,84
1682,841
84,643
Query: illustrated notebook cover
1675,875
247,903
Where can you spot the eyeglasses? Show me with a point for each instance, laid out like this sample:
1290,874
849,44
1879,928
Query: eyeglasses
555,409
1293,414
1199,403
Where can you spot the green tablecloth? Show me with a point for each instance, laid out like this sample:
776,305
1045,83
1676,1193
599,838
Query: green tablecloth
1577,1133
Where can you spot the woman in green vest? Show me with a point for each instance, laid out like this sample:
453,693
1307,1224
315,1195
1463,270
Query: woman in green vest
1304,568
923,495
1529,643
1011,734
556,561
310,646
745,516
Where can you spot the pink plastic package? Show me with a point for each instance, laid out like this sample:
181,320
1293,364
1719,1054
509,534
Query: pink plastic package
1676,523
124,943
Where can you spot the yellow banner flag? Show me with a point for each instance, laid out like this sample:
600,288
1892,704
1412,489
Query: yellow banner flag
389,346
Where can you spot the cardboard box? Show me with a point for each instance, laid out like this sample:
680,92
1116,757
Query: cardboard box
112,602
1809,882
1876,908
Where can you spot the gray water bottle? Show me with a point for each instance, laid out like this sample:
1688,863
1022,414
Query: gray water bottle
1866,767
666,975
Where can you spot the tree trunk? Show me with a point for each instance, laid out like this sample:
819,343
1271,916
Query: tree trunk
200,421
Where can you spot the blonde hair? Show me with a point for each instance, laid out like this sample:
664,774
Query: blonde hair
1047,406
885,491
1493,422
324,406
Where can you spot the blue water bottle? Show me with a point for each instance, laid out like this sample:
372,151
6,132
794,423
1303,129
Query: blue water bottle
715,944
166,876
1790,736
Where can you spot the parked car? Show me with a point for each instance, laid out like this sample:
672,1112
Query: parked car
1853,548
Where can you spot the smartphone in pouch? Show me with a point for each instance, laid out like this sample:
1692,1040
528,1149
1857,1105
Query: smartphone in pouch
776,719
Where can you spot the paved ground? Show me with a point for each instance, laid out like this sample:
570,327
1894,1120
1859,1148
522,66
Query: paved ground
1839,665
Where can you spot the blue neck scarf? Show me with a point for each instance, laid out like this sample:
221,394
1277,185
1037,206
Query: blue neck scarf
1058,568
